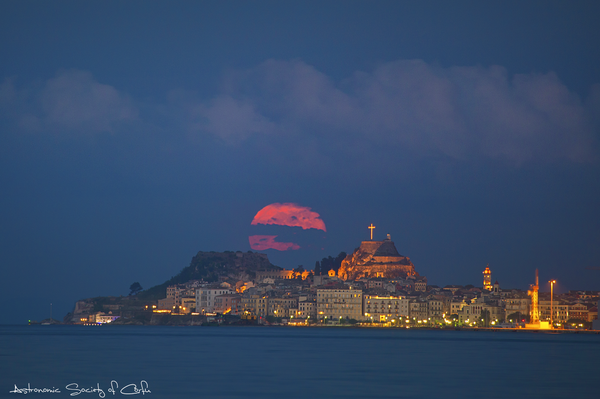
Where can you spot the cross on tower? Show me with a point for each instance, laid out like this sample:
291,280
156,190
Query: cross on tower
371,227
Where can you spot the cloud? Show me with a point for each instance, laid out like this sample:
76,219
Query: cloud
261,243
229,119
290,112
72,101
460,112
289,214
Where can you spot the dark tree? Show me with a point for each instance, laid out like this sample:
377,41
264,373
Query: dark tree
514,317
317,268
326,265
330,263
337,262
485,318
298,271
135,288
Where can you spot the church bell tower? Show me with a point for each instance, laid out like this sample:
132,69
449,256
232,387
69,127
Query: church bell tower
487,278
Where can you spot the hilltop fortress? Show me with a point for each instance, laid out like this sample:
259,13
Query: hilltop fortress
376,259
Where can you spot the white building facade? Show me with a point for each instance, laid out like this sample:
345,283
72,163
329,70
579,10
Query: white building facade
205,298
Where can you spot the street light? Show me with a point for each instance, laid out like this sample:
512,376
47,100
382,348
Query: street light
552,282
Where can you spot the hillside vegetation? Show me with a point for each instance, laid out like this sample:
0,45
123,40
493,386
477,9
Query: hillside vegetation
210,266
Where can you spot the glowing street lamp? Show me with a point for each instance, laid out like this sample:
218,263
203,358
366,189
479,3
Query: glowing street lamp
552,282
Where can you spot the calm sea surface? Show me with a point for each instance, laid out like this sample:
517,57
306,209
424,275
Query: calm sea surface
273,362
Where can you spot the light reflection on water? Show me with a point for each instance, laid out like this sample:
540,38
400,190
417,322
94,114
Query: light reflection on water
271,362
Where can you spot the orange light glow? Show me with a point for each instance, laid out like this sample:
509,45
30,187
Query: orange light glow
260,243
289,214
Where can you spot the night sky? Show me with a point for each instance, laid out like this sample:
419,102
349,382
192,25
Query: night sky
135,134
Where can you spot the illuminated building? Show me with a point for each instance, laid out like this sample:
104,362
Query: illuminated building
456,306
376,259
579,311
437,307
173,292
188,305
274,274
473,314
487,279
418,310
336,303
375,282
561,310
205,298
420,284
176,292
307,308
323,280
496,313
167,303
592,314
102,318
496,288
470,313
385,308
518,303
280,307
227,303
262,304
254,305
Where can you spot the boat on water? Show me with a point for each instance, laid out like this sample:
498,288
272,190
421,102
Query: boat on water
45,322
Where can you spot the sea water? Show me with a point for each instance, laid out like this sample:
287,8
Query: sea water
288,362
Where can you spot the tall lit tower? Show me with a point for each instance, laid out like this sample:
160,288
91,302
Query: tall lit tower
552,282
534,315
487,278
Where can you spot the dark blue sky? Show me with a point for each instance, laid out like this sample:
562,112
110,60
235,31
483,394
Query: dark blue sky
134,134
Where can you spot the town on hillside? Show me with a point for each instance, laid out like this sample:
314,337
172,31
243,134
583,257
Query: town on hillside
373,286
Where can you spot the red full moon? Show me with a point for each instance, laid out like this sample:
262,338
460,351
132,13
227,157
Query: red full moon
286,214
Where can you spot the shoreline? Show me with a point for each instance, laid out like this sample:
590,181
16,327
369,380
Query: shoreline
480,329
